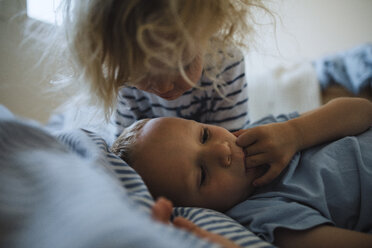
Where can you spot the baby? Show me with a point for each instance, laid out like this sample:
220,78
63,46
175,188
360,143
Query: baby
191,163
200,165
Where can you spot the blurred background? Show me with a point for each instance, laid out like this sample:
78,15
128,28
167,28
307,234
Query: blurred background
305,30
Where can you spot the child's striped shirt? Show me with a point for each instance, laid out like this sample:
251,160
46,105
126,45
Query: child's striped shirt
203,105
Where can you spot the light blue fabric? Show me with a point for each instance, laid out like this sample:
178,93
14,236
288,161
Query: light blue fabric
327,184
5,113
351,69
52,196
73,192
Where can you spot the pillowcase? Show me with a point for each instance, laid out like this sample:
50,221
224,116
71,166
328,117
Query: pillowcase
207,219
221,224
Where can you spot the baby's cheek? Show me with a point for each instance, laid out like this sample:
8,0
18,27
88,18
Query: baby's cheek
237,188
230,196
229,186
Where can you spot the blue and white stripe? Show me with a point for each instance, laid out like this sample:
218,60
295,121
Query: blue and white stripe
221,224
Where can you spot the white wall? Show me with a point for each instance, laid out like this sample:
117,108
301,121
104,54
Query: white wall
309,29
23,84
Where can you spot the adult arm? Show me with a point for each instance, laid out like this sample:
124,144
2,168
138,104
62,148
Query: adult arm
322,236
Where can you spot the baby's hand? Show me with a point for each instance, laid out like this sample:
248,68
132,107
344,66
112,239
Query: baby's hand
273,144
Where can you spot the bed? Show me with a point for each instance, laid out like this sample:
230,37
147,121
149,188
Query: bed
85,196
68,190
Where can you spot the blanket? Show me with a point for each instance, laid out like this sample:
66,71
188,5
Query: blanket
352,68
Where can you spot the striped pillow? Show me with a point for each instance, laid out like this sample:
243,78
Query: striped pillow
221,224
207,219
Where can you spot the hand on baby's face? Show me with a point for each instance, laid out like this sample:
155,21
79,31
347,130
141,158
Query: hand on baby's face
271,144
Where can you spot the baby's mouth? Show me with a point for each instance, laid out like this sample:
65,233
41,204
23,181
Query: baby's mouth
246,169
238,155
257,170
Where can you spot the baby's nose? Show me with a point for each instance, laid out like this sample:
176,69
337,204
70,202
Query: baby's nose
223,154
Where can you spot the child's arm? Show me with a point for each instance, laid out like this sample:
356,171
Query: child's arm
322,236
276,143
338,118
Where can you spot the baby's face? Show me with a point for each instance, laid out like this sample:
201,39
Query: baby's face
193,164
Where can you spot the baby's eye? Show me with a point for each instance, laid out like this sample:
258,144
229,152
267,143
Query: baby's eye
205,135
203,175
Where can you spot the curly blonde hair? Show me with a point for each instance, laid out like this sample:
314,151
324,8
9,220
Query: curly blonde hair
113,42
